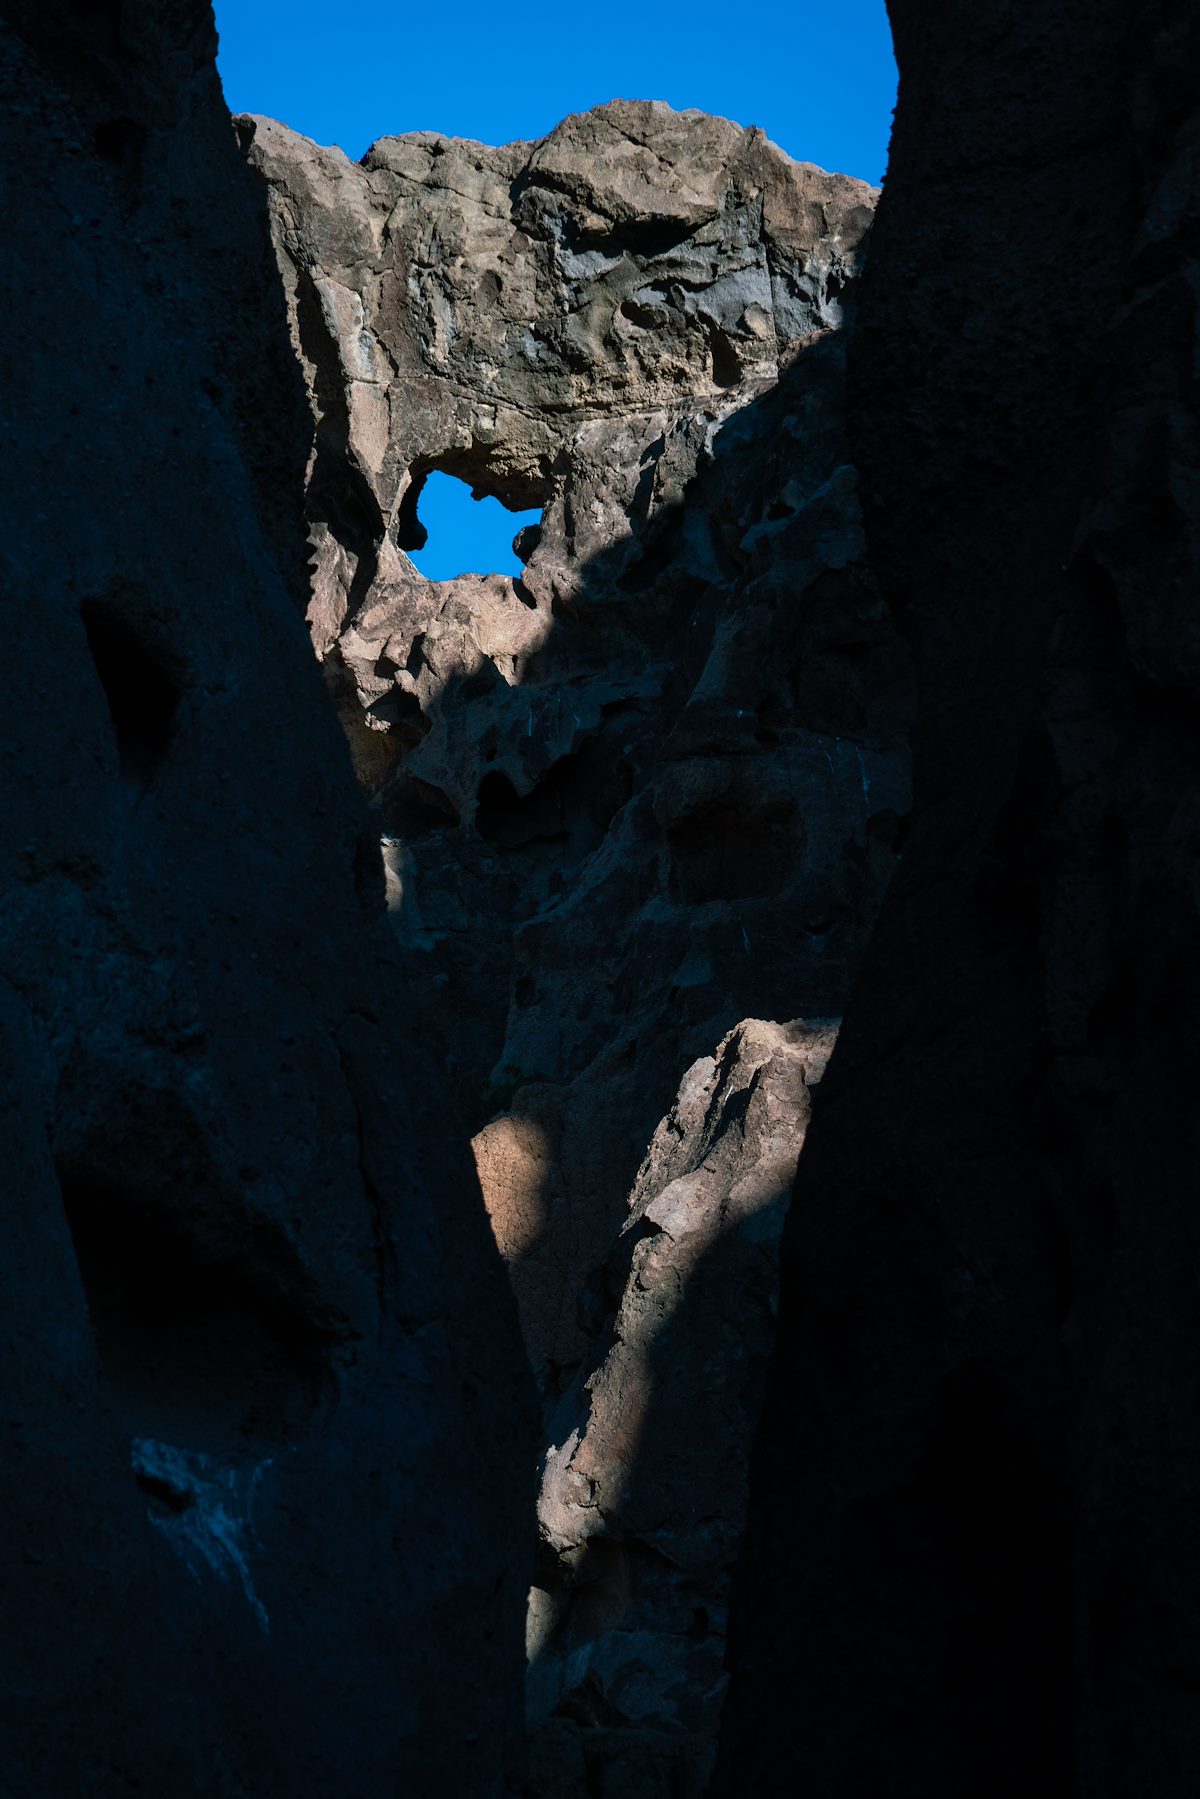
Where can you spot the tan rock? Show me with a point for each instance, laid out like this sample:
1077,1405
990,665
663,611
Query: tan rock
515,1161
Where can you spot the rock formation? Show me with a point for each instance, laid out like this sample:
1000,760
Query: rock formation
266,1428
650,788
643,1494
971,1564
270,1459
654,785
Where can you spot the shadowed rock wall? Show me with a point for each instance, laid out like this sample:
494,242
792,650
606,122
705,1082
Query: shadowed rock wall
267,1446
971,1564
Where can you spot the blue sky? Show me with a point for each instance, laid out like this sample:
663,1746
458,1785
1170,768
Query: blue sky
818,77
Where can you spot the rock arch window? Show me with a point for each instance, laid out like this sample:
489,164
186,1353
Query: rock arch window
462,535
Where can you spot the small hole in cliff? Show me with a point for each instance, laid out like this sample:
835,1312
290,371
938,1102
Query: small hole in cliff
735,849
121,142
194,1347
726,363
165,1494
571,806
647,316
459,534
142,695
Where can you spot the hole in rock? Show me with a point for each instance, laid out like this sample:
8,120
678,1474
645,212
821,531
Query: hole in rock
571,806
416,809
121,142
198,1350
165,1494
734,849
726,363
142,695
458,534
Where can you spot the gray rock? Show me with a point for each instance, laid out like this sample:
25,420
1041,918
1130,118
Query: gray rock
477,309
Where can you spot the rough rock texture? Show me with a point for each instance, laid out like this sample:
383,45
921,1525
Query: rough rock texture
644,1489
972,1561
655,785
264,1414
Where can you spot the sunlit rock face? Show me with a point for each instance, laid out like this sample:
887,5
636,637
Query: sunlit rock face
476,309
267,1438
654,785
650,788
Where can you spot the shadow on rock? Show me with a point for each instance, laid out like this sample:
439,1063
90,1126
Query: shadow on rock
644,1488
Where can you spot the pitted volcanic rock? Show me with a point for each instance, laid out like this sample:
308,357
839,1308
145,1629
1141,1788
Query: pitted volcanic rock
655,784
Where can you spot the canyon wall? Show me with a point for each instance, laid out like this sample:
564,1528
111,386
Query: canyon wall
971,1562
635,801
268,1439
271,1487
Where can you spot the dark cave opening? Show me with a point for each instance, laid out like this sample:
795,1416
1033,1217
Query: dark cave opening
142,694
571,806
726,363
196,1347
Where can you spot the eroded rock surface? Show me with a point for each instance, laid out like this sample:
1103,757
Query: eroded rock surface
644,1489
654,785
